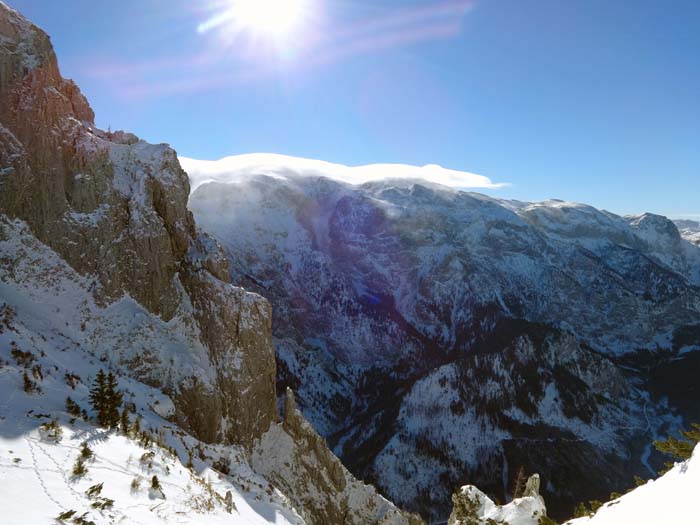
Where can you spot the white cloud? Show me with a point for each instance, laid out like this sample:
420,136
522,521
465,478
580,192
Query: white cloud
239,167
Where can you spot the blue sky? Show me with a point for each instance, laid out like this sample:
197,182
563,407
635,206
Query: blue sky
596,101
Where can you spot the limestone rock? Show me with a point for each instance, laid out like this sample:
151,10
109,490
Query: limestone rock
115,208
473,507
296,459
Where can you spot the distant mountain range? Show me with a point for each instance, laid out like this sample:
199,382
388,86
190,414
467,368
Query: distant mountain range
437,337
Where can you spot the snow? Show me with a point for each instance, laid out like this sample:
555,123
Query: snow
233,168
49,311
671,499
38,483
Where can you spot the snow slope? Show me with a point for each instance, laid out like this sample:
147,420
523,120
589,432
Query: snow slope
670,499
690,230
47,313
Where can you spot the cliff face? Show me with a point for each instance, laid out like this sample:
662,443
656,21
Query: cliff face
95,224
115,207
294,457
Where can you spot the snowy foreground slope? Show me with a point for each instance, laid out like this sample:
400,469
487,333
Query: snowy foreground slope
437,337
671,499
39,305
103,267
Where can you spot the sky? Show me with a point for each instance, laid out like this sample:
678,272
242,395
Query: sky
594,101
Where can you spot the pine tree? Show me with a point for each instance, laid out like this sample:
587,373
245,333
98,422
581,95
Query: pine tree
106,399
85,452
113,402
72,407
519,485
679,449
124,422
155,483
79,469
98,397
136,427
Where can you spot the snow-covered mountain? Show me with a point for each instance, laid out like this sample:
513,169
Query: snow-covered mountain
689,230
102,267
437,337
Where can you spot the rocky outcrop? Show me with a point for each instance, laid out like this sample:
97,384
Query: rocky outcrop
102,218
297,460
115,208
473,507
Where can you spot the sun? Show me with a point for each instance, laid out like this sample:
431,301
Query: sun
274,18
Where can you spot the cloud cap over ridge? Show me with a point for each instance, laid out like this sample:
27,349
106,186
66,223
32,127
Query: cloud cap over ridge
238,167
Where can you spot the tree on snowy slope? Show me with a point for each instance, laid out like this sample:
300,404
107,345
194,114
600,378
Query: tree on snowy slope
106,399
679,449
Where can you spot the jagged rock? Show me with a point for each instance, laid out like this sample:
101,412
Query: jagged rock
473,507
296,459
102,218
532,487
114,207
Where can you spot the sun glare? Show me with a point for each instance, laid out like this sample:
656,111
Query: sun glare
276,18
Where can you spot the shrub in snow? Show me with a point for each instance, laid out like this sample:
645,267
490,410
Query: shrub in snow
85,452
51,431
72,407
679,449
94,491
63,516
136,484
222,465
79,469
22,358
156,491
228,502
30,387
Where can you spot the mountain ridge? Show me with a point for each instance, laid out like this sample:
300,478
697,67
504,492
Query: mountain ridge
392,287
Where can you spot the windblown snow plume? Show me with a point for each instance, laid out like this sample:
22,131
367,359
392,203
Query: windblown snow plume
239,167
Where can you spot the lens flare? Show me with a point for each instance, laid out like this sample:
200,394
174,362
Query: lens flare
273,17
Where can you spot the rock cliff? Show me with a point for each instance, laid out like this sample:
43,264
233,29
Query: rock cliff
97,223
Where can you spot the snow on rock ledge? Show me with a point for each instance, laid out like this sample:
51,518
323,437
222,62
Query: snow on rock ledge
473,507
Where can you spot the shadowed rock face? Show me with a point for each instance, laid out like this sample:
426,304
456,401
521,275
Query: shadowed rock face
438,337
292,450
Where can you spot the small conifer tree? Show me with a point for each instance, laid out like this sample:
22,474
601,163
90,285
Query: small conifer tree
72,407
136,427
124,421
85,452
679,449
98,397
113,401
79,469
155,483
